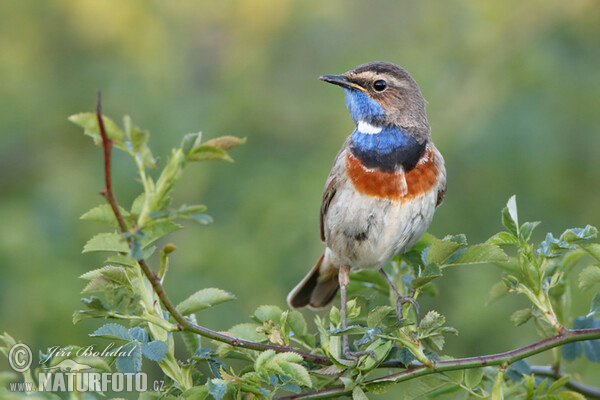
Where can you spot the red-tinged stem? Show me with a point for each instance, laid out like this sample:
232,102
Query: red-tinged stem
508,357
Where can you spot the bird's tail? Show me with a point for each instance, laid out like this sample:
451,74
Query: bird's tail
319,286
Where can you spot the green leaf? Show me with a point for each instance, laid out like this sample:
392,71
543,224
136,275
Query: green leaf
247,331
510,218
519,317
138,140
139,334
89,122
103,214
194,393
473,377
106,242
203,299
481,253
156,350
503,239
527,229
376,317
589,277
358,394
286,364
204,152
595,307
157,231
442,250
593,249
217,388
380,387
138,204
268,312
430,272
113,331
561,382
432,321
297,323
569,395
225,142
381,349
497,291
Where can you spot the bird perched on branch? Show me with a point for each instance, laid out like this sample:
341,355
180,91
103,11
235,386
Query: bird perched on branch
383,189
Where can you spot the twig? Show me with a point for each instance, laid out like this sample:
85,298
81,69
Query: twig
184,324
107,145
508,357
590,392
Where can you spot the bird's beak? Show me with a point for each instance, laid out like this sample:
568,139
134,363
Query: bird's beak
341,80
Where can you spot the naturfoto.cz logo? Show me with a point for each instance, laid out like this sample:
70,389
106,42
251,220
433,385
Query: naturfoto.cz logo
71,376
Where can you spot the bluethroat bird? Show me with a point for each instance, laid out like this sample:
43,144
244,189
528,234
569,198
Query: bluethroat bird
384,186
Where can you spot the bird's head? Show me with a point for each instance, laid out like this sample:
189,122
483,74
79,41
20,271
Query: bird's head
380,94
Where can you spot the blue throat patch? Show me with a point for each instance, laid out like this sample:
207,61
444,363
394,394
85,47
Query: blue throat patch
362,107
387,150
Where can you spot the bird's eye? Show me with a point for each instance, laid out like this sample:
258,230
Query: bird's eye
380,85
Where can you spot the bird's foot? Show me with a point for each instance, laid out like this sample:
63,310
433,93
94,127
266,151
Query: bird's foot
356,355
401,301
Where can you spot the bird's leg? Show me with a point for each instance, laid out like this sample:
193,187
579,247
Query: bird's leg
400,300
344,280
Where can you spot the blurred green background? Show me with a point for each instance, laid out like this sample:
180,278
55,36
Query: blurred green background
513,92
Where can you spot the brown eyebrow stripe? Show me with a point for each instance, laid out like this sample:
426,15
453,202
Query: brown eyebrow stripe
389,185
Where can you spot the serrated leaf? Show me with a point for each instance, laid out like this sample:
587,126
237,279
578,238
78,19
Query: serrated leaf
481,253
527,229
89,122
519,317
217,388
350,330
589,277
263,359
503,239
268,312
99,284
593,249
156,350
376,317
138,204
297,373
442,250
139,334
106,242
574,235
432,320
103,214
203,299
138,140
112,331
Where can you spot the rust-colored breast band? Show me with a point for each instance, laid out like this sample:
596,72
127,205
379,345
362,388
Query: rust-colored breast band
397,186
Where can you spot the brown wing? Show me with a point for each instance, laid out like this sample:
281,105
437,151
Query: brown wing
331,185
439,164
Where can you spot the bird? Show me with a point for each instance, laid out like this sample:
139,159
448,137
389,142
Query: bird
383,188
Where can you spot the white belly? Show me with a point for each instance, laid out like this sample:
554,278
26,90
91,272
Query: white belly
366,231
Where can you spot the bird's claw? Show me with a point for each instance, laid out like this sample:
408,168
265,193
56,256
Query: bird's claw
401,301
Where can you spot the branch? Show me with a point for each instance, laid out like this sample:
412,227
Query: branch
183,323
508,357
548,371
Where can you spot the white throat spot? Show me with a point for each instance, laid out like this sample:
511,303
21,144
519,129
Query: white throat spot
367,128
